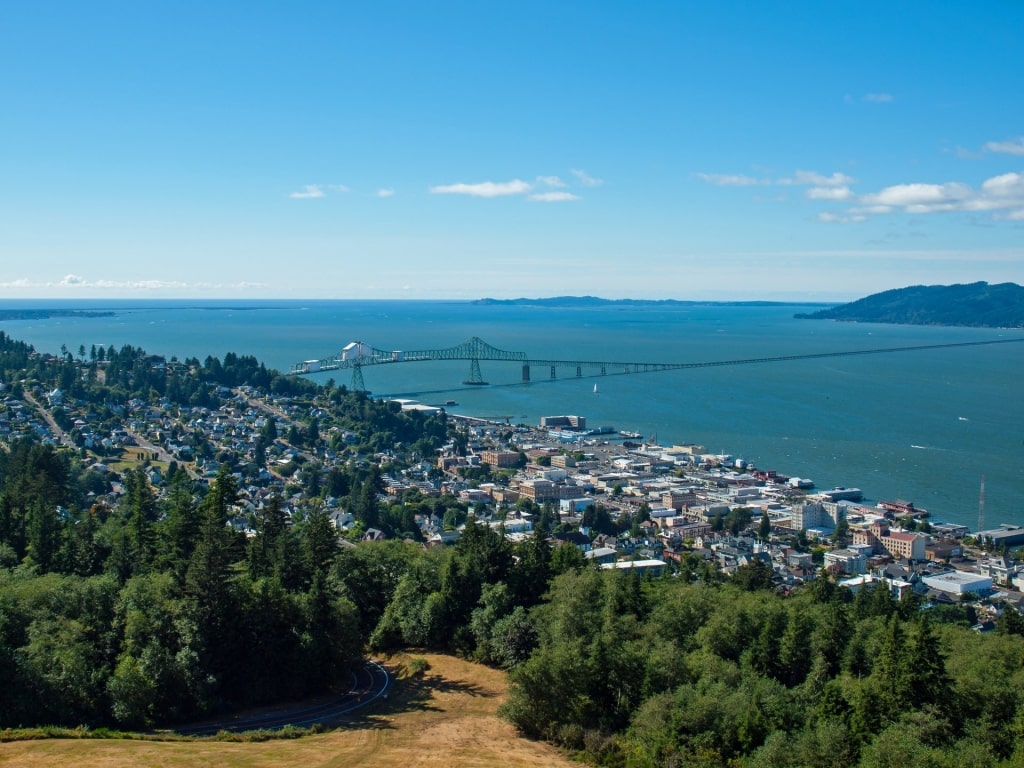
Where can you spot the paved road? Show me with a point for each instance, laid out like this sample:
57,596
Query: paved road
62,437
369,683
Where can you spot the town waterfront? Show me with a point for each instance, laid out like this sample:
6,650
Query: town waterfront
923,425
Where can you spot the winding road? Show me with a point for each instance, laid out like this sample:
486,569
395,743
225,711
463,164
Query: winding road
370,682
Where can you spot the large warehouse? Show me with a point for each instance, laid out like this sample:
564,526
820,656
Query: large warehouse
959,583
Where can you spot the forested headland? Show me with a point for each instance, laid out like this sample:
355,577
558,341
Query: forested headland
978,305
133,603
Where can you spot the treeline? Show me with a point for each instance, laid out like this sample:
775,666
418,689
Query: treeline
697,671
670,673
147,608
159,611
980,305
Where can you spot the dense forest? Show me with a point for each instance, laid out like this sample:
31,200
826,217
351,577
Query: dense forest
157,605
978,305
156,609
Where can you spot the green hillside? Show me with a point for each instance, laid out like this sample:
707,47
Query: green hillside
976,304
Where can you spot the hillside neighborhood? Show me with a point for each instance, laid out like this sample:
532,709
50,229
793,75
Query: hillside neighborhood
624,504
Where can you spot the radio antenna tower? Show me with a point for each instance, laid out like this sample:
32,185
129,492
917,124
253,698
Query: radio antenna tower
981,506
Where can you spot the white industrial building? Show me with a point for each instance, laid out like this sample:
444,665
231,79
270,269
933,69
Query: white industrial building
959,583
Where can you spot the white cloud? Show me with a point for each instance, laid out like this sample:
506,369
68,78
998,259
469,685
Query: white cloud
908,195
1007,185
484,188
1003,194
586,179
842,218
77,282
1011,147
816,179
553,197
799,178
729,179
337,188
877,98
385,193
308,192
551,181
829,193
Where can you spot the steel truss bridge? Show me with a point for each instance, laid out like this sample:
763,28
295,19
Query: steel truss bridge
358,354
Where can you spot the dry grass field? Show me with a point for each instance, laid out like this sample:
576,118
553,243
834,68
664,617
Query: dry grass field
445,718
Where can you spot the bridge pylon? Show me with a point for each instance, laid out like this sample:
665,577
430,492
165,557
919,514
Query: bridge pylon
357,378
475,377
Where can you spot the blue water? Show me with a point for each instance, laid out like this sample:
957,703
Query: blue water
923,426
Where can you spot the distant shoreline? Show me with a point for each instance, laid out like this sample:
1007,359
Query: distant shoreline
595,301
44,309
46,314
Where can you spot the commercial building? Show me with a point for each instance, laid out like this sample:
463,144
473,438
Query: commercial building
499,459
1008,535
959,583
653,567
846,561
896,544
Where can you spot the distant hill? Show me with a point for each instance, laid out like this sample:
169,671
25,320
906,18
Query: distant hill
46,314
594,301
978,305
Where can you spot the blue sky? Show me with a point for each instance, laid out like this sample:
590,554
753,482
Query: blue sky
713,150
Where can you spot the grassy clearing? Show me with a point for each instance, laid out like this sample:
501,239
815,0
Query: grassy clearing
444,715
132,457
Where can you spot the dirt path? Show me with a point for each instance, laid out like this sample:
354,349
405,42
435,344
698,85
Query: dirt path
446,719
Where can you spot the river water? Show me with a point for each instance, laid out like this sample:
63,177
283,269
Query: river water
923,426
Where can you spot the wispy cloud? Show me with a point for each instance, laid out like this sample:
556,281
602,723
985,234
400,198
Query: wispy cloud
586,179
870,98
729,179
553,197
308,192
316,191
386,192
818,180
1001,195
484,188
556,191
843,218
1011,147
830,193
799,178
551,181
77,282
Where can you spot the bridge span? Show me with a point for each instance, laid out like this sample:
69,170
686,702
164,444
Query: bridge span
356,355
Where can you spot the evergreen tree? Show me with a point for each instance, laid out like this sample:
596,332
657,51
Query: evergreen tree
208,591
265,552
319,542
179,528
44,535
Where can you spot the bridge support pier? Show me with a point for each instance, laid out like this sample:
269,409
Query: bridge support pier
526,373
553,375
357,378
579,371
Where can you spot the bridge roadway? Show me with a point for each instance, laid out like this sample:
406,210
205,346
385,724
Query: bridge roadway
357,354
